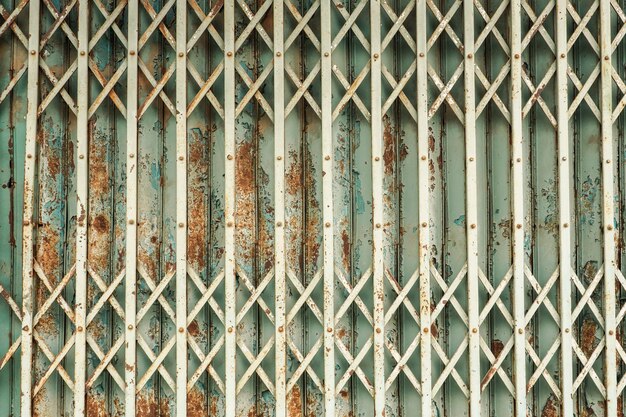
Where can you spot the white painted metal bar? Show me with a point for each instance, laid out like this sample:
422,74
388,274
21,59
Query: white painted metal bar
82,206
377,215
565,302
130,305
30,167
517,188
471,215
230,312
181,208
424,209
279,211
327,210
608,206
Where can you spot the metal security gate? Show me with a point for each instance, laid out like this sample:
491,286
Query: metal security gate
305,208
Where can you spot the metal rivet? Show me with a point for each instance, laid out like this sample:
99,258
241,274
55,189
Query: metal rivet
326,54
471,159
181,330
519,159
562,55
229,157
610,332
181,158
567,330
519,226
378,330
229,224
230,330
132,52
425,330
279,224
609,227
81,156
606,58
564,158
470,56
29,156
33,52
82,53
377,159
26,222
421,54
327,224
279,158
423,157
25,328
378,225
281,329
520,330
79,329
132,155
131,327
516,56
565,225
278,54
424,224
474,330
329,330
327,157
181,224
473,226
229,53
608,161
180,54
131,221
375,56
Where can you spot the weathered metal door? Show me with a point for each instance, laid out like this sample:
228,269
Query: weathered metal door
312,207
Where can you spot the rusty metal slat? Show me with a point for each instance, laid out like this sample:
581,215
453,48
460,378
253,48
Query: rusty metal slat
471,208
82,207
132,166
280,322
181,208
565,268
230,311
30,149
517,167
423,250
608,204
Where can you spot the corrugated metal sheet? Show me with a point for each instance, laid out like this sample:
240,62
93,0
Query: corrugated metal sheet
305,207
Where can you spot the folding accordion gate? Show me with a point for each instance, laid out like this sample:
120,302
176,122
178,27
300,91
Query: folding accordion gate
305,207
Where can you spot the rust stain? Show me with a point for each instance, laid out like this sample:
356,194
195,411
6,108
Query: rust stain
294,402
588,340
193,328
389,153
95,405
149,406
345,249
496,347
197,248
550,409
196,403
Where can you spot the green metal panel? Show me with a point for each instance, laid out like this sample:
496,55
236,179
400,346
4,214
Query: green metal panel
306,207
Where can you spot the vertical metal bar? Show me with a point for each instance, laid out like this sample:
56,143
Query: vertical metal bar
181,208
279,197
565,307
327,211
377,216
423,202
517,168
29,202
471,191
130,308
229,209
608,206
82,205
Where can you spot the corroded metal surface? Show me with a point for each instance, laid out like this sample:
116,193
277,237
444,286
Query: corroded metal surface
312,207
